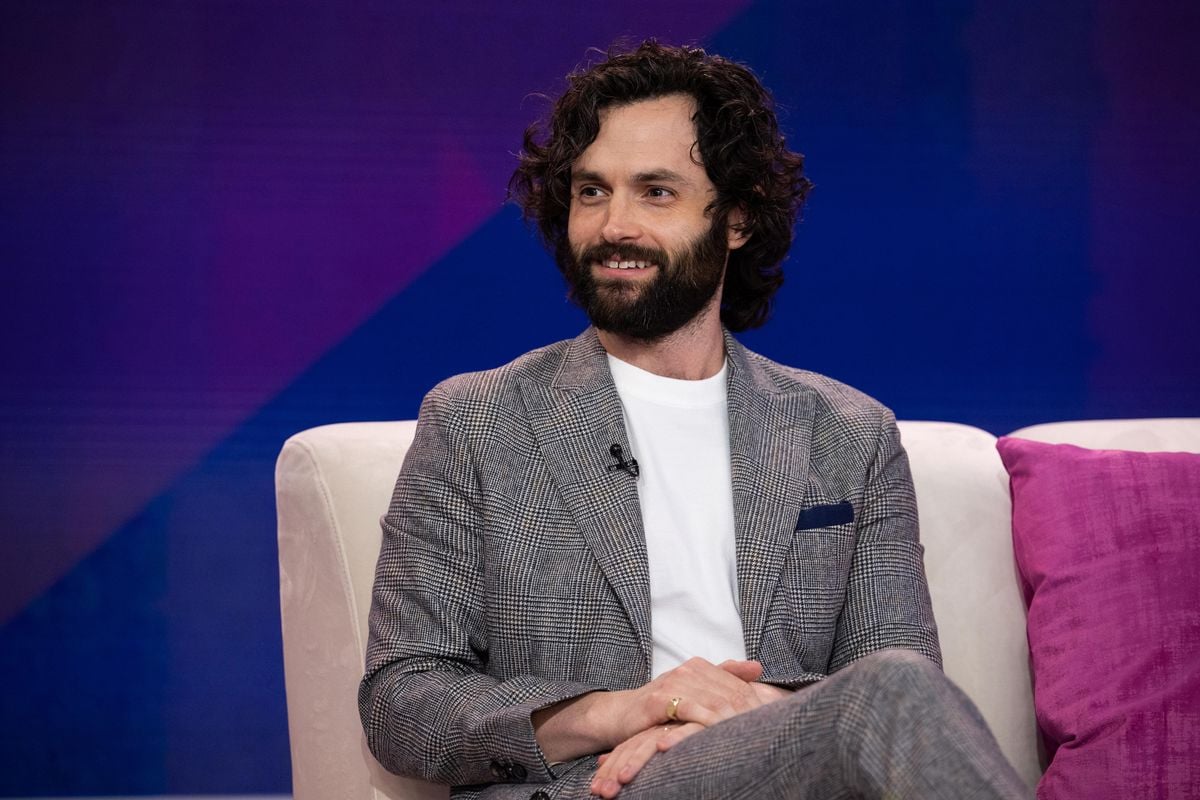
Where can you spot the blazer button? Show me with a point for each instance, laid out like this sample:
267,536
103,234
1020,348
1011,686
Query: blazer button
539,795
496,769
518,771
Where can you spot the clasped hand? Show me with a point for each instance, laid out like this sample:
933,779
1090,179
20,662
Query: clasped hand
707,694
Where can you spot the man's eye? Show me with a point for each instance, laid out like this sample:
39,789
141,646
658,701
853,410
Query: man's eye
658,191
590,191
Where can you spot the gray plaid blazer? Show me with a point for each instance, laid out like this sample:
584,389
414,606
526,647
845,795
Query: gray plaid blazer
513,571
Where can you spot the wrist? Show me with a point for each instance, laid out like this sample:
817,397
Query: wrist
603,718
591,723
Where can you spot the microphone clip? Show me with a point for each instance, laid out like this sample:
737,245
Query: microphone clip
630,466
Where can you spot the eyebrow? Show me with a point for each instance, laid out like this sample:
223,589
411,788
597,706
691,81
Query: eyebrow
651,176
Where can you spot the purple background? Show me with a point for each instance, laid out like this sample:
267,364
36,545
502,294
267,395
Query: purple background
224,222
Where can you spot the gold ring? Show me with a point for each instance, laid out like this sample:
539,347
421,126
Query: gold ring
673,709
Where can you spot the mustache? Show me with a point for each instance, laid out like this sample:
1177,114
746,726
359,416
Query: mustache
625,252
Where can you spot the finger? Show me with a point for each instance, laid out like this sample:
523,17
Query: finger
607,780
748,671
730,678
706,709
606,788
708,695
604,782
641,751
677,735
626,761
768,693
632,753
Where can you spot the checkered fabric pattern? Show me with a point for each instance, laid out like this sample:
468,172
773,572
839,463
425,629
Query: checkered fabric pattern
890,725
513,572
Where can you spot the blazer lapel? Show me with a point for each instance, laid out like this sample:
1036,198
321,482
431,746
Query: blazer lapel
576,422
770,433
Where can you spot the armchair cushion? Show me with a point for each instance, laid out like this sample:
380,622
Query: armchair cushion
1107,544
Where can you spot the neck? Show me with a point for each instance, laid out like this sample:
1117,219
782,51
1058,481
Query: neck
694,352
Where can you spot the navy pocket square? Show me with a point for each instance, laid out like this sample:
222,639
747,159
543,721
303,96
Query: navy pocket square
825,516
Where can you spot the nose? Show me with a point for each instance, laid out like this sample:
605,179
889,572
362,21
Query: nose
620,220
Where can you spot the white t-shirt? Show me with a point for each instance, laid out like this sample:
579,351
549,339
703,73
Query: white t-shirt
679,434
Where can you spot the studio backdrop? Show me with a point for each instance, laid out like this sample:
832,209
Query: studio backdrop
223,222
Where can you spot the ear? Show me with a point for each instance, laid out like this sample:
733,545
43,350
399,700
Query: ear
735,234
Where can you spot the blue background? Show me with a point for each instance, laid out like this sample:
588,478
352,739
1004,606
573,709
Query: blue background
223,222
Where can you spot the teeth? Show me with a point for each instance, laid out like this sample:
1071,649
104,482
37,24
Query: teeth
614,264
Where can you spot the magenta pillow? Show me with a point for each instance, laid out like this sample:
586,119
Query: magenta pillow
1107,544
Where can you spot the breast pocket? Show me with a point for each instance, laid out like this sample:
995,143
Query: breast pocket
812,592
818,563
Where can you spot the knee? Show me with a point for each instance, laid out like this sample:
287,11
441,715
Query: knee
894,676
894,660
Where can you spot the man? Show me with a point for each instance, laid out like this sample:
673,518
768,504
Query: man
647,562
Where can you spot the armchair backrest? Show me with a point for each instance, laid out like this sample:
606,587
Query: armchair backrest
332,484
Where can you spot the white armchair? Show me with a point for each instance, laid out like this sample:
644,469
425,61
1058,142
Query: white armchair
334,482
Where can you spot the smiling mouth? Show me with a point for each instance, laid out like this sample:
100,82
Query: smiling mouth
613,263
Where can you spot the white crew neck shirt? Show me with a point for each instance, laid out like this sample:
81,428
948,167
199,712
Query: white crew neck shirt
679,434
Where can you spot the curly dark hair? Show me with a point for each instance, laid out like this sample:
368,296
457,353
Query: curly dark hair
740,147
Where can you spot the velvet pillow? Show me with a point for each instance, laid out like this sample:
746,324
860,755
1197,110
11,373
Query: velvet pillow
1107,544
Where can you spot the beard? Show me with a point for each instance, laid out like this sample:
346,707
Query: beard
649,309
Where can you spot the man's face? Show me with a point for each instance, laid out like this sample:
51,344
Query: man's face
644,258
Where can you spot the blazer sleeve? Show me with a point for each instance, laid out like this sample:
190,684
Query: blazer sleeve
887,598
428,705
